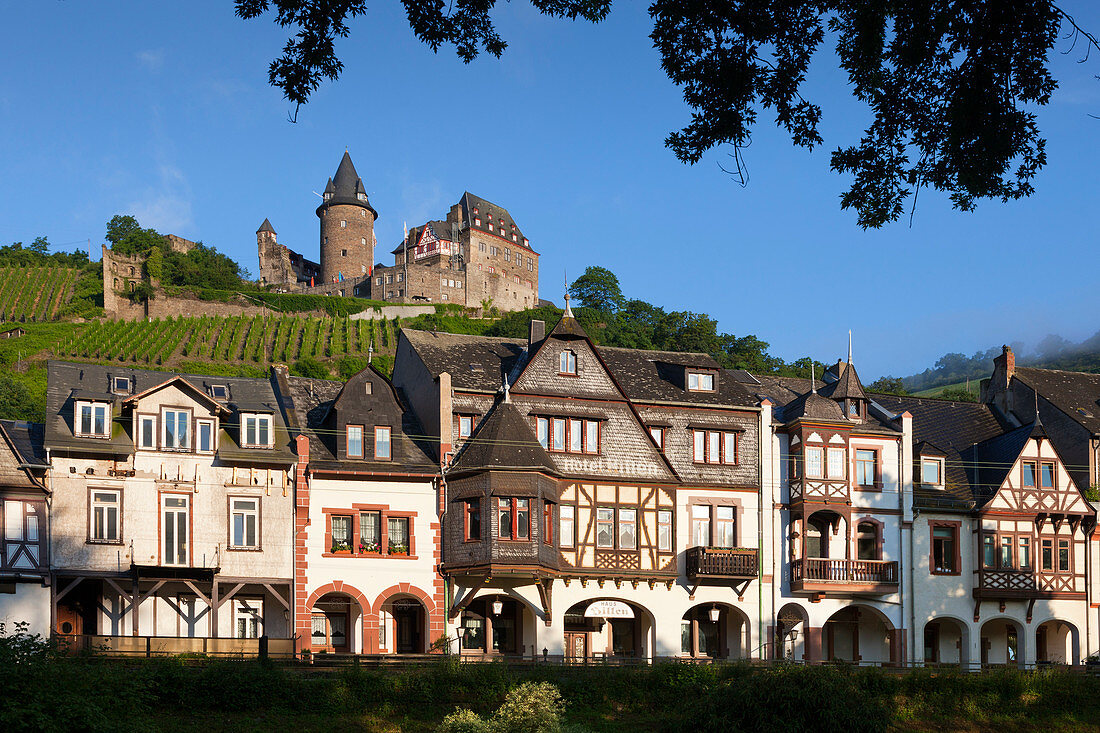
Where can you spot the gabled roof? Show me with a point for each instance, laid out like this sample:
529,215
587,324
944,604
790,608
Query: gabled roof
651,376
20,449
504,440
474,362
180,383
441,229
1077,394
469,202
953,428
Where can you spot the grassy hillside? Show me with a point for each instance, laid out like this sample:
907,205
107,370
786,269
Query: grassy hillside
937,391
35,293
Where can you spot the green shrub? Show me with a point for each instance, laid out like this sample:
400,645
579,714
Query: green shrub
463,721
309,367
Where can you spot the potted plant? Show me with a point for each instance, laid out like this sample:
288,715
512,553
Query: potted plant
340,547
369,548
399,549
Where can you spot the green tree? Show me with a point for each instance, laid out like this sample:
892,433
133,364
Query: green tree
40,246
309,367
888,385
958,394
598,288
950,87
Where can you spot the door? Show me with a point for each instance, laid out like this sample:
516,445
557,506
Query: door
406,621
175,528
576,646
69,621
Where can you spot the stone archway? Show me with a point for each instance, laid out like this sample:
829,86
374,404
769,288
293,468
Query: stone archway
715,631
1002,642
609,631
1057,642
946,642
382,624
334,618
861,634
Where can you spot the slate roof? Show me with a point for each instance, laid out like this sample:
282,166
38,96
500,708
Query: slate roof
345,187
469,202
951,429
503,441
21,444
1077,394
66,381
310,401
814,406
657,376
266,227
992,459
474,362
790,397
847,385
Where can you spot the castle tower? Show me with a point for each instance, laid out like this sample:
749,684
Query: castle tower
347,226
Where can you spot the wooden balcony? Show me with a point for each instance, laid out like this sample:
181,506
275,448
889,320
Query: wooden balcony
826,575
722,563
1024,585
153,646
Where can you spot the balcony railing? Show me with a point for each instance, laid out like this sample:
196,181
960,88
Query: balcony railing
150,646
824,571
1010,580
722,562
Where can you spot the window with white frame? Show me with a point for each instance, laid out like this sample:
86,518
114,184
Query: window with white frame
93,419
106,511
219,392
567,362
204,436
628,529
382,445
355,441
244,522
465,426
714,446
605,527
658,435
700,525
175,430
815,458
725,526
700,382
248,617
147,432
866,467
836,459
567,527
120,385
931,471
257,432
664,530
568,434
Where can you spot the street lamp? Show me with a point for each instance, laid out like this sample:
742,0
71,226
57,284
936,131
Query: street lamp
714,612
498,607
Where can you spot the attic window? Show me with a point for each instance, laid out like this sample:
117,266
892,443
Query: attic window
567,362
476,368
219,391
931,471
1083,412
120,385
362,197
368,387
700,382
256,431
93,419
853,408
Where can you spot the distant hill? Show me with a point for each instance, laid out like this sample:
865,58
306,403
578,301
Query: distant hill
35,293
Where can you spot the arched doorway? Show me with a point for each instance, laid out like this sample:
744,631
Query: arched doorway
946,642
335,621
608,628
492,625
403,625
790,633
714,631
1057,642
826,535
859,634
1002,642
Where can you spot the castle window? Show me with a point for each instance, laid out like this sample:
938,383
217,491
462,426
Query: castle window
389,279
379,281
363,197
363,241
513,237
525,242
343,224
481,246
477,221
343,253
400,276
131,272
507,255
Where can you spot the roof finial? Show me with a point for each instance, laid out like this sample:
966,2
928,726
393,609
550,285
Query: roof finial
370,350
849,346
507,390
813,383
568,310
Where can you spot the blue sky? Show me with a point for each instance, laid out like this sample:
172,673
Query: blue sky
163,110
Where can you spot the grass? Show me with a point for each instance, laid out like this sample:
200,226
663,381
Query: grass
936,391
169,694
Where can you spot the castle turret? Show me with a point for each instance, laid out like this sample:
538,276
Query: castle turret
347,226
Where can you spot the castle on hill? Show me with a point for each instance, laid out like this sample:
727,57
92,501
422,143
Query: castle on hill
476,256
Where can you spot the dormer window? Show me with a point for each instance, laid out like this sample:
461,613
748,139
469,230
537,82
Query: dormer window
219,392
931,471
120,385
362,197
176,431
93,419
700,382
853,408
355,441
328,196
567,362
256,431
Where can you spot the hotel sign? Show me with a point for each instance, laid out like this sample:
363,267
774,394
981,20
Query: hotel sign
608,609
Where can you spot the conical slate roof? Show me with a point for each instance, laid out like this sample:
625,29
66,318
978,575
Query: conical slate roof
814,406
504,441
266,227
847,387
346,187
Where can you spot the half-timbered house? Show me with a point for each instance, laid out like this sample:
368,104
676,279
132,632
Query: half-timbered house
838,482
599,502
366,519
24,529
1001,539
171,512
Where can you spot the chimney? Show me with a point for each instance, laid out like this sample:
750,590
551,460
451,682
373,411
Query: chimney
1005,364
536,333
455,215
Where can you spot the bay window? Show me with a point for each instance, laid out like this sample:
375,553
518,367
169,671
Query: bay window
513,519
472,510
814,460
628,529
837,457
